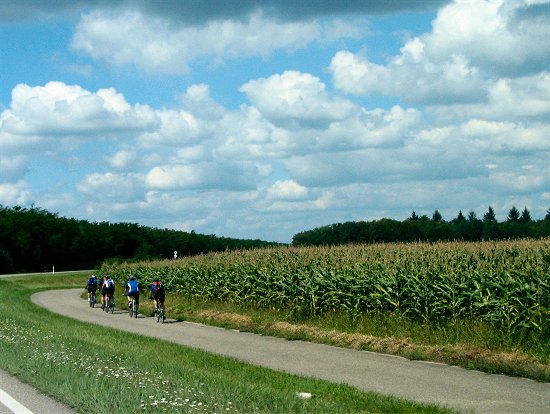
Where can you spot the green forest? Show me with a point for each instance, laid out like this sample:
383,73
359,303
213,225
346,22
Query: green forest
35,240
423,228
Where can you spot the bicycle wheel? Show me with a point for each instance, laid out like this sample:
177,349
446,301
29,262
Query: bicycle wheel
131,308
162,317
112,305
157,314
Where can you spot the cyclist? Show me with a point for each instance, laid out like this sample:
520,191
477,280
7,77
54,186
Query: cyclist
132,290
107,290
91,286
156,292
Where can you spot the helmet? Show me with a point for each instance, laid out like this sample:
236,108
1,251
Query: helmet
93,276
156,279
108,276
132,278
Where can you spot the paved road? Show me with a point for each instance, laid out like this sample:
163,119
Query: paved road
468,391
20,398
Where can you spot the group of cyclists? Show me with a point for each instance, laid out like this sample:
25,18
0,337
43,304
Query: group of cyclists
107,286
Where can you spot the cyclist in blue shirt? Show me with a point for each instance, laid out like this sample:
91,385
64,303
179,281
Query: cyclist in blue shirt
91,286
132,290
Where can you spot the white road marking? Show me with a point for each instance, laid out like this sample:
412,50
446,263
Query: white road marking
13,405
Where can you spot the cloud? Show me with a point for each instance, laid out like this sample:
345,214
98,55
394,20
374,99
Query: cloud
198,12
281,9
14,194
154,44
292,115
57,109
115,187
409,76
507,136
12,168
248,135
296,99
524,183
371,129
225,176
287,190
485,33
123,159
177,128
522,99
195,122
58,118
469,44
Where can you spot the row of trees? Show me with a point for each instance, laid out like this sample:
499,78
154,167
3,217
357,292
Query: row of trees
34,240
423,228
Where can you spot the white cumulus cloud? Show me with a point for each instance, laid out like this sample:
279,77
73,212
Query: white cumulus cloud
470,43
57,109
157,45
287,190
295,97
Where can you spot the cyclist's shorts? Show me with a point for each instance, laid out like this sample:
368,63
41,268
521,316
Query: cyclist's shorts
159,296
135,295
110,290
103,290
91,290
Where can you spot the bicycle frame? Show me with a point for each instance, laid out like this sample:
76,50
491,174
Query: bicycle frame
133,307
159,313
110,305
92,299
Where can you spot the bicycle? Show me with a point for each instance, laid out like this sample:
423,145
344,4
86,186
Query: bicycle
159,314
110,306
133,307
92,300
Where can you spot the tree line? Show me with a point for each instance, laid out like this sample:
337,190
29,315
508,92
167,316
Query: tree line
423,228
35,240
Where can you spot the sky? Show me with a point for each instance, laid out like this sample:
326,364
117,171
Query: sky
261,119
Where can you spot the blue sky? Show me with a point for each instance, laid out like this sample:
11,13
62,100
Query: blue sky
262,119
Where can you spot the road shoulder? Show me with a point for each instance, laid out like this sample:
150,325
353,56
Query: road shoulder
28,397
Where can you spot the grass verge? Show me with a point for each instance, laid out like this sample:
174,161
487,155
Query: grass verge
102,370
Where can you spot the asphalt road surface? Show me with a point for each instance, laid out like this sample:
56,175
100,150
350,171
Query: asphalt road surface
20,398
465,390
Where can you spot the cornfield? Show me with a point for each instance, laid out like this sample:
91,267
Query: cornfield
504,283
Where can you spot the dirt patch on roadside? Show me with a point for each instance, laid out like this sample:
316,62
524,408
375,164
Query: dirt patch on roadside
226,317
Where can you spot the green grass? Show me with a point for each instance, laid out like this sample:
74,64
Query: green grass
101,370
